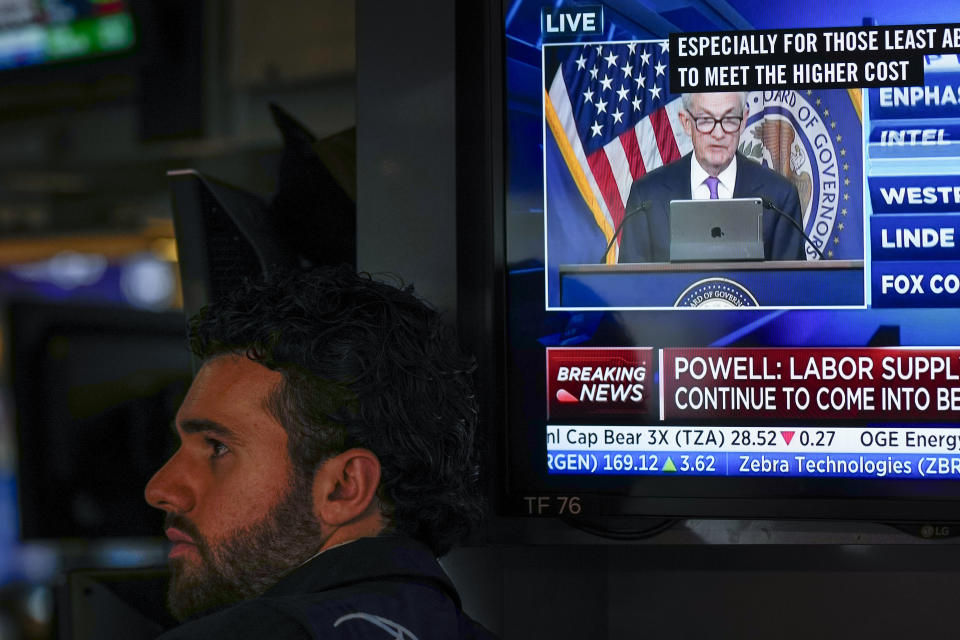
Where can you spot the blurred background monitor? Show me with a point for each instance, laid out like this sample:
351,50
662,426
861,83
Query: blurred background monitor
43,32
223,236
95,390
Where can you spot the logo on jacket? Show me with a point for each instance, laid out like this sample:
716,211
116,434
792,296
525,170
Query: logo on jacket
716,293
393,629
792,133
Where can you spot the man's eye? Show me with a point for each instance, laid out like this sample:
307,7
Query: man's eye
217,448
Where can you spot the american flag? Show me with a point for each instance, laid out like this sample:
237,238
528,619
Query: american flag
610,111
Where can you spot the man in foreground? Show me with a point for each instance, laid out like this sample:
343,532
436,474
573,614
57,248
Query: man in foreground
714,170
327,457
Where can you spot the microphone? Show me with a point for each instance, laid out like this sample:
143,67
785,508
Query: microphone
769,205
640,208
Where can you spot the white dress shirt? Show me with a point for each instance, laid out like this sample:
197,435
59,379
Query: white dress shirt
728,180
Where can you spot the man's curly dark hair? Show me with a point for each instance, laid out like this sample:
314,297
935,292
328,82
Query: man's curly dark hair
364,364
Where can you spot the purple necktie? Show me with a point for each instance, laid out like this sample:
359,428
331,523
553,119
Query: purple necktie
712,183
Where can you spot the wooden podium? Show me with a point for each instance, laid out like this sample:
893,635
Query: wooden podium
795,283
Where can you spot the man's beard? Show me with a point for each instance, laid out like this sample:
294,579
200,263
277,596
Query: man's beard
248,562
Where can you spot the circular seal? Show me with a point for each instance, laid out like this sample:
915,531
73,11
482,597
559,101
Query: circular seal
786,133
716,293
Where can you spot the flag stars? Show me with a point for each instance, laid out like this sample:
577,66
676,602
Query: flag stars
641,80
632,48
664,46
660,67
611,59
588,96
601,106
596,129
623,92
581,62
617,116
599,49
627,69
607,83
594,72
655,92
644,58
636,104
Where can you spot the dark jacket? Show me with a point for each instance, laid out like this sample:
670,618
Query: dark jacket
378,588
646,236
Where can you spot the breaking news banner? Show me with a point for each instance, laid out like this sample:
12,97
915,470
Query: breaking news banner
824,58
583,382
889,384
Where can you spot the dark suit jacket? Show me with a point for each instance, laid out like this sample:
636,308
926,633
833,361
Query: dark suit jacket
646,236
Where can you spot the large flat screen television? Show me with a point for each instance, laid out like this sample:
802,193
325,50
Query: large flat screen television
822,381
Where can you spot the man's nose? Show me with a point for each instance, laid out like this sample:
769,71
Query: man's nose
169,489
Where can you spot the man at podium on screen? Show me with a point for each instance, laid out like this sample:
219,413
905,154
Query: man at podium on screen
714,170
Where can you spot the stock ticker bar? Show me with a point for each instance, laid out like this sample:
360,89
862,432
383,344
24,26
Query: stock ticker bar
724,463
887,412
851,452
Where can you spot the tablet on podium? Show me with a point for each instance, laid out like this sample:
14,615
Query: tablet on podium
716,230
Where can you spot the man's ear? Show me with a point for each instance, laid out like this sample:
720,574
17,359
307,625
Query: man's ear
345,490
687,122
